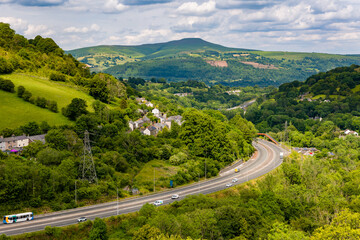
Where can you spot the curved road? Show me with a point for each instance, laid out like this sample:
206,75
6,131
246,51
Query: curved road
268,158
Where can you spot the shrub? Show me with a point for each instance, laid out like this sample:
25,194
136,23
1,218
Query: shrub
7,85
58,77
41,102
20,91
27,95
52,106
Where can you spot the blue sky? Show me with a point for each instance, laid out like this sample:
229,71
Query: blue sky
280,25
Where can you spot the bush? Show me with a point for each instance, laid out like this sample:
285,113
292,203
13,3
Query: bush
58,77
20,91
52,106
5,67
27,95
53,231
41,102
7,85
98,230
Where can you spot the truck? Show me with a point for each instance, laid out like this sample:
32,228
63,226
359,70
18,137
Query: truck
281,155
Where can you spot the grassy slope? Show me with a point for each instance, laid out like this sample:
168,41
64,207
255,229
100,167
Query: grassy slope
15,112
39,86
162,170
299,55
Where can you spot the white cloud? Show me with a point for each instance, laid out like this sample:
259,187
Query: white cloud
42,30
15,23
92,28
113,6
193,8
146,36
196,24
345,36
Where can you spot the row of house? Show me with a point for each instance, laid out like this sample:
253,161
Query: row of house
144,101
16,143
350,132
154,128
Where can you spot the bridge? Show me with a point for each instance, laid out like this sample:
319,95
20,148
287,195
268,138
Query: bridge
269,137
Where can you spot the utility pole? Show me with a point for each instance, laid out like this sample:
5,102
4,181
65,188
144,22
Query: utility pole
154,179
88,166
75,194
205,169
199,183
117,201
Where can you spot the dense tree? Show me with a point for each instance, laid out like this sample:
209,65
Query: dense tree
98,230
76,108
31,128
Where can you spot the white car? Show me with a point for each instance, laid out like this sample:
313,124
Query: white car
82,219
235,180
158,202
229,185
175,196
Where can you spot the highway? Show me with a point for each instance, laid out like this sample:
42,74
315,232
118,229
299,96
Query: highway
266,159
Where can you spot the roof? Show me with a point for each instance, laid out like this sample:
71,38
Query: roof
38,137
14,138
152,128
146,118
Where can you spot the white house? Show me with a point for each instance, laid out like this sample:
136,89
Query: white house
156,112
350,132
147,132
131,125
2,144
149,104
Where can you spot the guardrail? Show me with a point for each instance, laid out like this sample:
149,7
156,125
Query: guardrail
268,136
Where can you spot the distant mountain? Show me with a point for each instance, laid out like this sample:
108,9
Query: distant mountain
147,51
194,58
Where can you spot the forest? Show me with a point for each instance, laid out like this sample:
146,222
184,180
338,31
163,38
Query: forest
332,96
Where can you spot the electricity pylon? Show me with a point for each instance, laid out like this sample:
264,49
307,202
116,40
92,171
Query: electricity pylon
88,166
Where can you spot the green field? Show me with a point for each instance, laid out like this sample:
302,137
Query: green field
162,171
42,87
299,55
15,112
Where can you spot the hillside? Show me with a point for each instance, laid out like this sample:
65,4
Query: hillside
327,96
50,78
200,60
18,112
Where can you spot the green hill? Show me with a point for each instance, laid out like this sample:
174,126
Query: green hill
51,79
16,112
196,59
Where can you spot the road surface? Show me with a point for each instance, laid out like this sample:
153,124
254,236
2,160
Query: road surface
267,158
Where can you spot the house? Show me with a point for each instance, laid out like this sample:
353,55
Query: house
40,138
183,94
13,142
146,132
151,130
177,119
149,104
131,125
350,132
2,144
18,142
160,126
156,112
140,100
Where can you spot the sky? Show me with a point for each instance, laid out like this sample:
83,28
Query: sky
327,26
